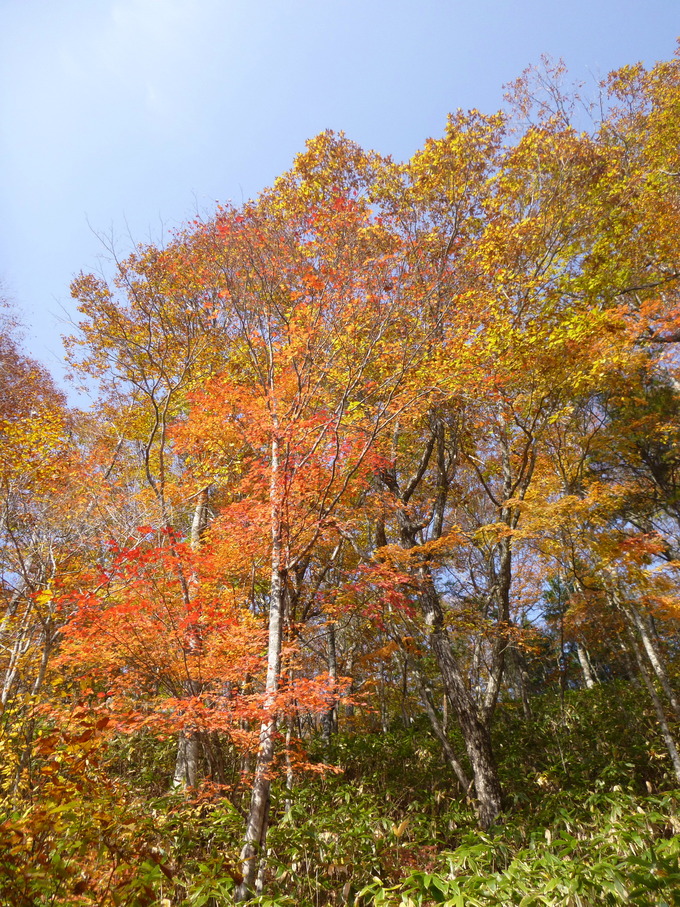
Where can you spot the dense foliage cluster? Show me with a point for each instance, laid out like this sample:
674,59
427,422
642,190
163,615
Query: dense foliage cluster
360,583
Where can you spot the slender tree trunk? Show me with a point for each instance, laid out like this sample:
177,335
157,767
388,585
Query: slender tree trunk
186,761
290,774
589,677
562,663
49,639
258,817
384,717
616,601
329,720
20,646
475,730
256,829
521,680
658,707
348,709
48,644
200,520
405,717
641,624
584,660
476,733
502,580
440,734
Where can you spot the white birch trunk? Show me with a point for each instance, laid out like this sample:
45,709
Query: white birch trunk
642,626
186,763
258,817
658,708
586,667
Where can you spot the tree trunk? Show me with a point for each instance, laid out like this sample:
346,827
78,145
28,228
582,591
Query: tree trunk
405,717
615,599
658,708
475,729
584,660
20,645
186,763
290,774
49,638
329,720
476,734
521,679
502,581
639,621
440,734
258,817
348,709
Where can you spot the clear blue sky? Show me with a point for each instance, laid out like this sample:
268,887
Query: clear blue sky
125,117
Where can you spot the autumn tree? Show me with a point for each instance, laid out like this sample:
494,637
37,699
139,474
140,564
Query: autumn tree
312,378
45,532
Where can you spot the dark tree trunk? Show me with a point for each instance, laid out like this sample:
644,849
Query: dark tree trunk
329,720
475,732
440,733
474,724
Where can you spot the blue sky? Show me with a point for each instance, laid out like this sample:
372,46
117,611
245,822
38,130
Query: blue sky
126,117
